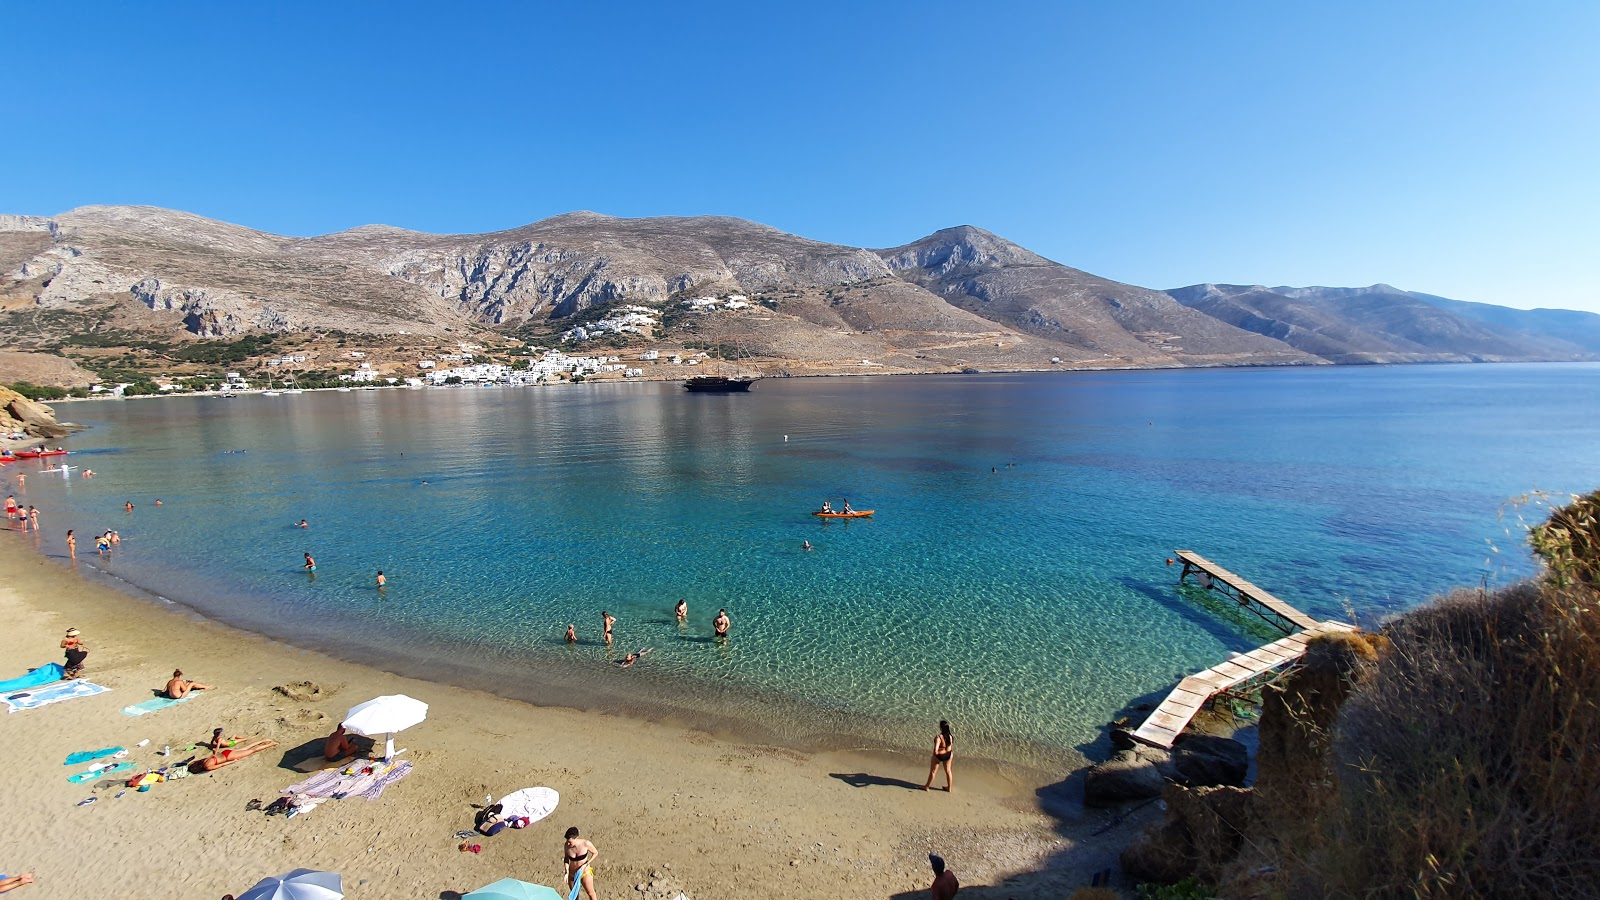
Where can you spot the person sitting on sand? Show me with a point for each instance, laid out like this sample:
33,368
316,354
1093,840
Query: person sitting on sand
12,882
179,688
488,822
227,756
632,658
338,745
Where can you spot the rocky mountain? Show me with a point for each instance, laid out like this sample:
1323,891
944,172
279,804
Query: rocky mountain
959,298
1382,324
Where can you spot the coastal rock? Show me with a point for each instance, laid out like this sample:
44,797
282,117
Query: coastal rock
1162,854
1138,773
1204,760
1201,835
18,413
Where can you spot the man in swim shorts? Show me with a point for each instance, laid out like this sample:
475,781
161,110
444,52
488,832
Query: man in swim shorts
720,624
610,620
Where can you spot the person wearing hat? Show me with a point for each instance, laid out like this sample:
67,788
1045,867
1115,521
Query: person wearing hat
77,651
944,885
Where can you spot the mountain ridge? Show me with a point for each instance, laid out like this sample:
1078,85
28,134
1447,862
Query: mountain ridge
959,298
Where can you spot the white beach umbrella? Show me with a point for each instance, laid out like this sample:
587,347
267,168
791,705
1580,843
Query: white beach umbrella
385,715
301,884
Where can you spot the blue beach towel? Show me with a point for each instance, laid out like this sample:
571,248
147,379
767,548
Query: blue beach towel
83,756
156,704
91,774
55,693
45,674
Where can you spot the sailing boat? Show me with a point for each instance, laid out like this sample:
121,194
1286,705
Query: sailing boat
720,383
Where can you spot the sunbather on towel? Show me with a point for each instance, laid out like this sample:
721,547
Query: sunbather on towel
228,756
179,688
338,745
12,882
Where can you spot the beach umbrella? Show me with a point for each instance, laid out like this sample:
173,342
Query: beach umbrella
512,889
385,715
301,884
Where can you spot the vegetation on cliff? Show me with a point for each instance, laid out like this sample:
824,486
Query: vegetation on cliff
1454,753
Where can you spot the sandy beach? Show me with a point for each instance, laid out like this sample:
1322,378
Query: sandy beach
665,806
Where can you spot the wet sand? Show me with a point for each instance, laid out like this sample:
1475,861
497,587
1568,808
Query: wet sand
716,816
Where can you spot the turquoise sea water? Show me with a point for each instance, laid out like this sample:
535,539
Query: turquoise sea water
1013,579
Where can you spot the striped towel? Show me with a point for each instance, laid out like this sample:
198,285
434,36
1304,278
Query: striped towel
55,693
375,790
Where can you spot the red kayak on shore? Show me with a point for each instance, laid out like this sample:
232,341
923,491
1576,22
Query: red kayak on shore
853,514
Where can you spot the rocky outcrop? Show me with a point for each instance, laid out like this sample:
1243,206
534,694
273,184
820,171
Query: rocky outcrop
18,413
1200,837
1138,771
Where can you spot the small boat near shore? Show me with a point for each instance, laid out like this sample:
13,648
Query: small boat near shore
38,454
852,514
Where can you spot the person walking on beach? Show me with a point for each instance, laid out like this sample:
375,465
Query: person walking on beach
944,747
944,885
609,620
72,546
311,564
579,856
681,611
721,623
76,652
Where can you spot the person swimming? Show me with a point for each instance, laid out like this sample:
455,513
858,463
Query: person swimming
632,658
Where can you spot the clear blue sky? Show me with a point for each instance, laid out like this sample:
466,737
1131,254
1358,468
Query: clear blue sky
1451,147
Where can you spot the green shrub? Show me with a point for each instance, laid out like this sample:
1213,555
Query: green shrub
39,391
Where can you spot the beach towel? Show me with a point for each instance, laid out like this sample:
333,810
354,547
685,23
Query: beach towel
534,803
353,782
83,756
55,693
45,674
156,704
93,773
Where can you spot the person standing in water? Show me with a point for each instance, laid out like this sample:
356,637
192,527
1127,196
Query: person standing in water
681,611
311,564
721,623
609,620
72,546
33,518
381,580
572,633
944,747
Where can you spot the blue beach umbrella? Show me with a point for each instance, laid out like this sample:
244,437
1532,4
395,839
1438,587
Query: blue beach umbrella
301,884
512,889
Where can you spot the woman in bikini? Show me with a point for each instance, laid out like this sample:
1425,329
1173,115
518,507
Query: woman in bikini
944,747
227,756
579,858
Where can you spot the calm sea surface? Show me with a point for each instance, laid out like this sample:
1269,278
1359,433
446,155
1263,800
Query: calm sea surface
1013,579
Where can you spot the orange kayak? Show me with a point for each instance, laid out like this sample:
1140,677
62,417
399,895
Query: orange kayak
856,514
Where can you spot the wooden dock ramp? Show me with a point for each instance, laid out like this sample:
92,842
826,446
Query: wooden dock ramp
1163,726
1276,612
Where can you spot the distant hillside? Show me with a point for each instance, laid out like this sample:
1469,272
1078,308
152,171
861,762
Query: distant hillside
140,278
1381,324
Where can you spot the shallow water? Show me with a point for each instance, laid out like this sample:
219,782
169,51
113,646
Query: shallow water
1012,580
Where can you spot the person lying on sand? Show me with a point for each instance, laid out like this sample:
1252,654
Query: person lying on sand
632,658
11,883
228,756
338,745
178,688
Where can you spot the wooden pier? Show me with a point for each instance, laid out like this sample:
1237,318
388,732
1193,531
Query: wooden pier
1276,612
1243,670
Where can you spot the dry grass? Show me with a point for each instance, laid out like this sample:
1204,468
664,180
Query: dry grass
1469,759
